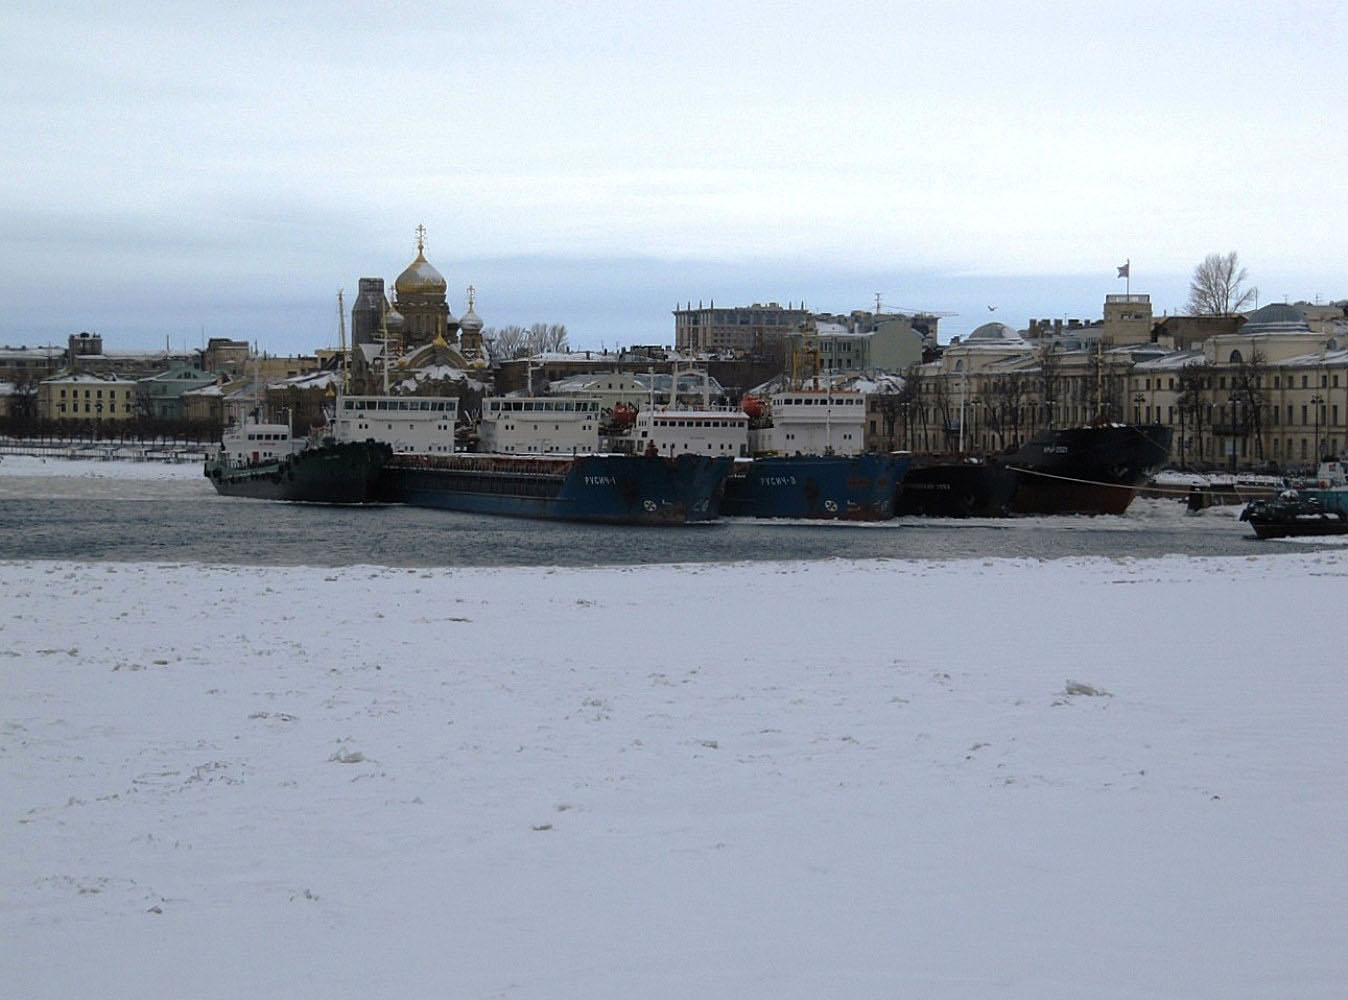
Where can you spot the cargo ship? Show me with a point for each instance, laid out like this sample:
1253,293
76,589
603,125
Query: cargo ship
536,457
613,489
802,460
1078,470
1086,470
265,461
836,487
954,486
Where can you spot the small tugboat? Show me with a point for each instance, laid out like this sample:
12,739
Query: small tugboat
1292,514
264,461
1306,508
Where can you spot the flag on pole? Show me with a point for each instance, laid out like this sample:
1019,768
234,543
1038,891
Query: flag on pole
1123,269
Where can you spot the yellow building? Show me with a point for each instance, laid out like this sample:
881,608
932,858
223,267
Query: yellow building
80,397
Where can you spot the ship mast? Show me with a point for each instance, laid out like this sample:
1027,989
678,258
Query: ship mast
383,329
344,368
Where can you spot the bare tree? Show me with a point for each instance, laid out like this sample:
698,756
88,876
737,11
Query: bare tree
1193,402
914,409
1248,399
940,404
889,405
1050,374
546,337
1217,287
1008,400
507,343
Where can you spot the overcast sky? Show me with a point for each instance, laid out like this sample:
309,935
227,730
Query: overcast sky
190,170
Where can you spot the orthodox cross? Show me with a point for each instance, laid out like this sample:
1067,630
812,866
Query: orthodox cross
421,238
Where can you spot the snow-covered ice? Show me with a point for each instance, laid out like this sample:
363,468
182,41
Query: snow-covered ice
61,468
988,778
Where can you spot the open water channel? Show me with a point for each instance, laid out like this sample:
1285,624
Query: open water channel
180,518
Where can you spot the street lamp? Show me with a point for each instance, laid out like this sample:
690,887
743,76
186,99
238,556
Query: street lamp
1316,402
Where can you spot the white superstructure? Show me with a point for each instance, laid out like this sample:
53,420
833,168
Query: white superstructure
409,424
710,431
254,442
813,422
546,425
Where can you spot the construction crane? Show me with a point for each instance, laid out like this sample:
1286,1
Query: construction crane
909,310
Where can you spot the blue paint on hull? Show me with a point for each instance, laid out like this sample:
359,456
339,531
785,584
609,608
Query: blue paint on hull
614,489
831,487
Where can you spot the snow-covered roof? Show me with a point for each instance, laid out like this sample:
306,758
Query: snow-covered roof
50,350
308,380
1173,361
830,329
855,381
83,377
409,381
1319,359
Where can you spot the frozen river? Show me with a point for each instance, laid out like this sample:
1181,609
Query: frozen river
105,511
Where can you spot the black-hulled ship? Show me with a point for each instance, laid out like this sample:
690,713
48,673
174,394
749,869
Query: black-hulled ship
952,486
1077,470
1086,470
263,461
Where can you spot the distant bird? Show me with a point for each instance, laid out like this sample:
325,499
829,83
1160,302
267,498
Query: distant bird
992,309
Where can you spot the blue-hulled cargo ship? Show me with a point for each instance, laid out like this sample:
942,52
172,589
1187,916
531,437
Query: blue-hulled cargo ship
614,489
806,454
837,487
537,457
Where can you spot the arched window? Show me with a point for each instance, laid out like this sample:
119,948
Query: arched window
1236,358
959,365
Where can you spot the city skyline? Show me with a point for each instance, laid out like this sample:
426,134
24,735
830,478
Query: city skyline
188,174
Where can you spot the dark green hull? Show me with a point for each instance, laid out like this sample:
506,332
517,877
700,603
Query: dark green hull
346,473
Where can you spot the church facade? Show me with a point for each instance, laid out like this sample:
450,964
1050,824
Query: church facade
416,331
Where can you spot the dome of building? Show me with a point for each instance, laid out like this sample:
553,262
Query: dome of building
420,278
471,321
393,319
994,331
1276,317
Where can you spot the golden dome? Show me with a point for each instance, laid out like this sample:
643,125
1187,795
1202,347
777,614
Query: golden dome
420,278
